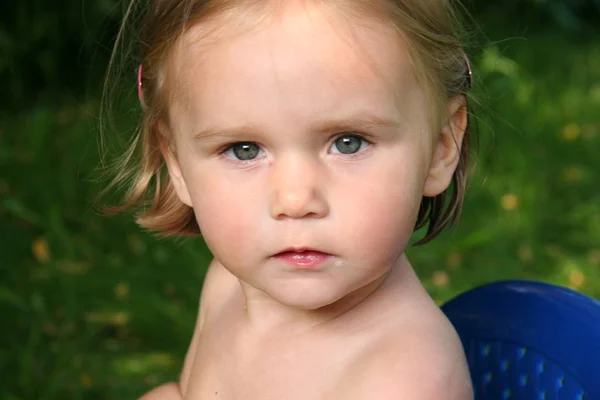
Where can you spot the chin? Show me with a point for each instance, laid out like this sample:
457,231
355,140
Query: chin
309,298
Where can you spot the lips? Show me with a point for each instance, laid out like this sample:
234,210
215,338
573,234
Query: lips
302,258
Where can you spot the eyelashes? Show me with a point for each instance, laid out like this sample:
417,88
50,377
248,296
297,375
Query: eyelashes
346,145
243,151
349,144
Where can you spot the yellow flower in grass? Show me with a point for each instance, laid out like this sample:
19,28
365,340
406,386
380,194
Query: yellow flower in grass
120,318
571,132
572,174
121,290
40,250
454,260
525,254
440,278
509,202
86,381
576,279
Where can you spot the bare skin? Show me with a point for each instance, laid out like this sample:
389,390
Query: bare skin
394,335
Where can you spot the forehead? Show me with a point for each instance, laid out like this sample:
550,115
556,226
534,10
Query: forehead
306,62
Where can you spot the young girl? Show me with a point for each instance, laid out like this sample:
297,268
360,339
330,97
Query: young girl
306,141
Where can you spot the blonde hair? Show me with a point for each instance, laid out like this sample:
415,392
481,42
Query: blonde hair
429,28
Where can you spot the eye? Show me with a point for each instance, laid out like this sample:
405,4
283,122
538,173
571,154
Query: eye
243,151
348,144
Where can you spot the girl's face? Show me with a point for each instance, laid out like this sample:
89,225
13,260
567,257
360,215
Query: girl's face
301,136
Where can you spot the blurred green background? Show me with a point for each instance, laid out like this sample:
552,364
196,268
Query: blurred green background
94,308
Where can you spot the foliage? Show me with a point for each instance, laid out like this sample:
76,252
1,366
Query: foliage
50,48
571,15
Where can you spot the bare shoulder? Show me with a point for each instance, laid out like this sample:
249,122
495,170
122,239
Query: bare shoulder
217,282
422,360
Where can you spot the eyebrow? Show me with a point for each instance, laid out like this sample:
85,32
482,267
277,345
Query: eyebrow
359,121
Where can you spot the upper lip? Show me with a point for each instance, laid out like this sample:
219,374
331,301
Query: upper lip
299,249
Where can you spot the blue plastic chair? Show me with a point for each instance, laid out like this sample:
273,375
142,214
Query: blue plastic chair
529,341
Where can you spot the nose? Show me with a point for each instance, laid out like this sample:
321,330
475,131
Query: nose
298,188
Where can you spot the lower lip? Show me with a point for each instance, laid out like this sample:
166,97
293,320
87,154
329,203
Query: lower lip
304,259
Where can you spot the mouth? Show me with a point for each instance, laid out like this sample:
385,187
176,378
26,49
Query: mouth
302,258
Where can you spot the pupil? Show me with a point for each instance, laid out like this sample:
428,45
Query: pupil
245,151
348,144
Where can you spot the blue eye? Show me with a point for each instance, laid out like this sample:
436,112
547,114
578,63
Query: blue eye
243,151
348,144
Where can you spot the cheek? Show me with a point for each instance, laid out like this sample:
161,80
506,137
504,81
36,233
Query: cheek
381,213
227,215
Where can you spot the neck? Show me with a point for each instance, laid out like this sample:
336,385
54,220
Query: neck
263,314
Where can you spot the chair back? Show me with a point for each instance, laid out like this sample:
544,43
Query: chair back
529,341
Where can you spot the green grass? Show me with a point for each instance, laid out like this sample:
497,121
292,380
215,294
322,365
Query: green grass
95,308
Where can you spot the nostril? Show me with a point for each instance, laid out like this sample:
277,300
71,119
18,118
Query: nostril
298,203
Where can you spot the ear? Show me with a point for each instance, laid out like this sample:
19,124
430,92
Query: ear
174,169
446,148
